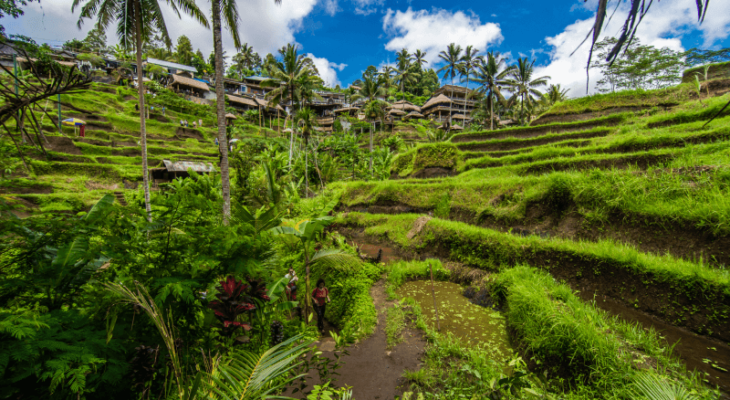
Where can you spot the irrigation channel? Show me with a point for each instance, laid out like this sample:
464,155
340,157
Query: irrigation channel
696,351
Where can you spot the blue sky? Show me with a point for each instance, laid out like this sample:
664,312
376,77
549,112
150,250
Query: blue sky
345,36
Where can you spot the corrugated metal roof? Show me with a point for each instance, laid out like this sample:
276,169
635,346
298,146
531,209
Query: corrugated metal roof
168,64
183,166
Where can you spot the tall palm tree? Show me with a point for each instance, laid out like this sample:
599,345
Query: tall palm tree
469,62
452,57
137,21
229,10
420,58
491,75
287,77
406,74
243,59
388,75
524,85
306,120
371,89
555,93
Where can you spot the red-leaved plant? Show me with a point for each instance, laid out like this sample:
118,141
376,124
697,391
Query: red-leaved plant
235,298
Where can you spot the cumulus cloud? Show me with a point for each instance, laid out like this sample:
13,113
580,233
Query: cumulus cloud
432,31
663,26
264,25
327,70
331,7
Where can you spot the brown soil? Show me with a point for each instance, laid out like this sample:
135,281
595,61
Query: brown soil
40,189
534,131
530,143
62,144
427,173
371,369
183,133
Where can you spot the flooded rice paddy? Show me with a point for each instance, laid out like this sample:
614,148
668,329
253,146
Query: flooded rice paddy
473,324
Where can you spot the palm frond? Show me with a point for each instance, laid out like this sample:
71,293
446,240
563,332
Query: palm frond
335,259
244,375
655,388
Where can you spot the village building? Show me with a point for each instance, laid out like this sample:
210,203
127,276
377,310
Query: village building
194,90
450,100
242,103
169,171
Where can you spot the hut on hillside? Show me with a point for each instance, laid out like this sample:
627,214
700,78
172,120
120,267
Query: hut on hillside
178,169
242,104
189,86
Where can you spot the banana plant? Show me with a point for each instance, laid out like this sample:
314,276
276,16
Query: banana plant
307,231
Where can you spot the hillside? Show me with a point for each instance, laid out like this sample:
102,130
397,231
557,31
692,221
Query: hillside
621,196
77,171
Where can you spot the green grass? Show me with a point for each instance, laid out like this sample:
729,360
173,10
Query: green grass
395,323
626,98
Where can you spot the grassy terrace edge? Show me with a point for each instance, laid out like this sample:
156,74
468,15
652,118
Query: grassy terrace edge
682,293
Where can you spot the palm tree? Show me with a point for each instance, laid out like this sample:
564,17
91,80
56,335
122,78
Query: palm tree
371,89
374,111
406,74
388,75
243,59
306,120
136,21
230,16
491,75
420,58
287,77
469,62
555,93
524,84
452,58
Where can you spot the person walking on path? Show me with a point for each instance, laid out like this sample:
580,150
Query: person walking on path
321,296
291,286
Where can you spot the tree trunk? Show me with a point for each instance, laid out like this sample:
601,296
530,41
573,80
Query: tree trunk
306,167
491,110
371,150
308,294
142,127
221,110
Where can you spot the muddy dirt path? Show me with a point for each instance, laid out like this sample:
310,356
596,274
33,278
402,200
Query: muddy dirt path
371,369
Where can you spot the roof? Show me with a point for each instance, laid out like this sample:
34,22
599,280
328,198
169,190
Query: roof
183,166
346,109
436,100
256,78
181,80
405,105
265,103
64,63
396,111
231,116
453,88
415,114
242,100
168,64
459,116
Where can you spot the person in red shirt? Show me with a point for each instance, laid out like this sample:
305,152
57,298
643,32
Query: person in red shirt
321,296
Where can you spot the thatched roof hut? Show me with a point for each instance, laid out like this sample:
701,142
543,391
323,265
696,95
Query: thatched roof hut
178,80
405,106
415,114
440,99
242,102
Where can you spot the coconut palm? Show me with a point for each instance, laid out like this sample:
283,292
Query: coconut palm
243,59
374,111
406,72
287,77
306,119
229,11
469,61
137,21
420,58
452,57
388,74
371,90
491,75
555,93
524,85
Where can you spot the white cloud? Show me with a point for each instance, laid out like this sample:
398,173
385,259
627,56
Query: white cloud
432,31
330,7
264,25
663,26
327,70
367,7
